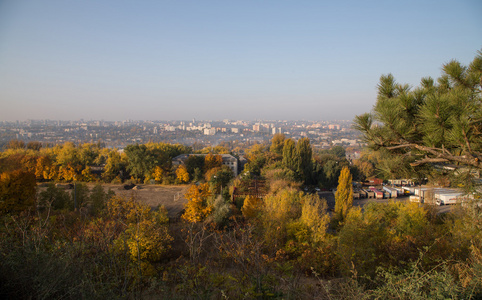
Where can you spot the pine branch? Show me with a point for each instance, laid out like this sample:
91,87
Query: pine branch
441,155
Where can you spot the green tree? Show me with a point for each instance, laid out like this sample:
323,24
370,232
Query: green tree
79,196
194,162
99,198
305,163
338,151
344,195
433,123
140,161
55,197
277,143
290,157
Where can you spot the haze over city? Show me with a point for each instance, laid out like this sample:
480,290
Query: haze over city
167,60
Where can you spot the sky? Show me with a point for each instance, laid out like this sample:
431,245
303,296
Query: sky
214,60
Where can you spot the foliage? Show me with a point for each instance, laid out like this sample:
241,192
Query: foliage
17,191
434,123
140,159
98,199
212,161
277,143
343,195
197,209
182,174
314,216
157,174
221,177
384,235
252,207
192,163
304,154
221,211
55,198
290,159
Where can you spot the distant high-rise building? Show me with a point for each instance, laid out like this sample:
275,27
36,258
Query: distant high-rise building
209,131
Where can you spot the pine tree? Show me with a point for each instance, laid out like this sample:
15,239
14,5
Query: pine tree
344,195
433,123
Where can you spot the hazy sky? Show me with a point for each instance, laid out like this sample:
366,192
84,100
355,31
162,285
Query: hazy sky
165,60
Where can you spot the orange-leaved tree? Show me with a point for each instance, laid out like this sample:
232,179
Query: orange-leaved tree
197,209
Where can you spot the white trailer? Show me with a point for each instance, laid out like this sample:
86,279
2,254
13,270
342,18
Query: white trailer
393,193
448,198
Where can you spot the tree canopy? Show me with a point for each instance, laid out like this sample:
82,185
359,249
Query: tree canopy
437,122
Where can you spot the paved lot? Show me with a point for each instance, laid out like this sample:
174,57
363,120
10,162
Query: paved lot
330,199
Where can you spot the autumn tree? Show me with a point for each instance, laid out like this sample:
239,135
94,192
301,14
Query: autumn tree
344,195
15,144
212,161
315,217
197,207
252,207
277,143
145,236
384,234
158,174
116,165
45,169
438,122
34,145
17,191
182,174
68,155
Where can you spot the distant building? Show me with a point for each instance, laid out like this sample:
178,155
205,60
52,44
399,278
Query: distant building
209,131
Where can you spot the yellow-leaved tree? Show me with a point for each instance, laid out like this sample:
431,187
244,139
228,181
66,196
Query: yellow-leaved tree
145,235
157,174
343,196
182,174
314,217
252,207
197,209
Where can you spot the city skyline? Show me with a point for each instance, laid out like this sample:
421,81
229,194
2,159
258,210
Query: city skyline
160,60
